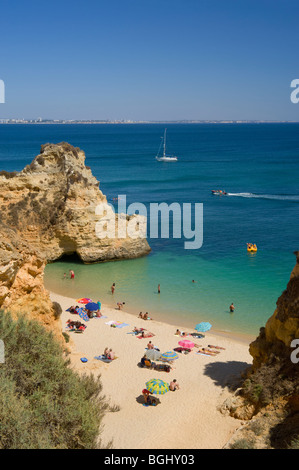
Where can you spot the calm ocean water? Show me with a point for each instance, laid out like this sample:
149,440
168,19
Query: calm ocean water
257,164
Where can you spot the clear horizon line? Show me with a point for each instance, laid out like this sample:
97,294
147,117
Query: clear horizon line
139,121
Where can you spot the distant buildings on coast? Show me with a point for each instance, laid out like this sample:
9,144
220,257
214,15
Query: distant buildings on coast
65,121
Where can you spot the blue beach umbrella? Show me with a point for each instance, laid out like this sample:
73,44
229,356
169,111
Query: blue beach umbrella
91,306
169,356
203,326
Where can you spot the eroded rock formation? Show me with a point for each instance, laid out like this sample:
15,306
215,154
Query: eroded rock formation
53,202
48,210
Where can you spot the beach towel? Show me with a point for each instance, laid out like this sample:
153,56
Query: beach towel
102,316
121,325
104,359
83,315
204,354
147,335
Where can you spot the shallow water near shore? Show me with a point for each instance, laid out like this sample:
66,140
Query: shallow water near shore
255,163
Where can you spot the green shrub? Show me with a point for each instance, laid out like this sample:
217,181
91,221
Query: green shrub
243,444
43,403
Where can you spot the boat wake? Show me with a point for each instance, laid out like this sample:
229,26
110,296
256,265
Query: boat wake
276,197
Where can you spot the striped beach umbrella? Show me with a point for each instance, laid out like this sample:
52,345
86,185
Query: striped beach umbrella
203,326
84,300
169,356
153,354
157,386
185,343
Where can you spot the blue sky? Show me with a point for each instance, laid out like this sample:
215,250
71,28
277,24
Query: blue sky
149,59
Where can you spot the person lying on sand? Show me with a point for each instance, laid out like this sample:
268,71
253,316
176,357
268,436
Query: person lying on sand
145,335
182,333
136,330
208,352
74,309
214,347
77,325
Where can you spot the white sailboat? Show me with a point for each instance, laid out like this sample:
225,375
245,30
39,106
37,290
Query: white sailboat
164,157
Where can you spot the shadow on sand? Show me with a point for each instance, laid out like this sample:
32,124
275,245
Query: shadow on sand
226,374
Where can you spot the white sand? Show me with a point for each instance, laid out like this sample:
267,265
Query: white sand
187,418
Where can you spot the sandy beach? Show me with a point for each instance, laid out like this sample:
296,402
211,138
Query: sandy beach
187,418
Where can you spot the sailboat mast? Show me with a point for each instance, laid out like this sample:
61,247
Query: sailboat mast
164,143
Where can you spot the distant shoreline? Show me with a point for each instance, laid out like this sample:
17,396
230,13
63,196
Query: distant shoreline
95,122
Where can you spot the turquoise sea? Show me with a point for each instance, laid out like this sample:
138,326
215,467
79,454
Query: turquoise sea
257,164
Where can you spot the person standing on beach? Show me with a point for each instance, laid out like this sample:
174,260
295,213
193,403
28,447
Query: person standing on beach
72,274
232,308
113,288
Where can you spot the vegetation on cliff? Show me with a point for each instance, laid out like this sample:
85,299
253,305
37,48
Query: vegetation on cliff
43,403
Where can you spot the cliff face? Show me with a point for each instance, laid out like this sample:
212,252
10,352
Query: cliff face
48,210
275,339
53,202
21,281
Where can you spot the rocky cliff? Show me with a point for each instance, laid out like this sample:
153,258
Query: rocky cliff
282,327
51,209
53,203
270,391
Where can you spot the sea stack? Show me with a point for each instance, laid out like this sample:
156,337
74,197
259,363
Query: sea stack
49,210
52,202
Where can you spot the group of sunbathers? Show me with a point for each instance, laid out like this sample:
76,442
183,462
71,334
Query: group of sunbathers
145,362
109,354
144,316
75,325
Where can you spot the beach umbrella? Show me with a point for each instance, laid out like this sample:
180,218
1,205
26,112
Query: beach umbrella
91,306
203,326
84,300
153,354
185,343
157,386
169,356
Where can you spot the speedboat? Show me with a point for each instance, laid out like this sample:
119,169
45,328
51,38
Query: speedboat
218,192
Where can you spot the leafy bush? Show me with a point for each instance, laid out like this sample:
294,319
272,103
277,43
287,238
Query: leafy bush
43,403
243,444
